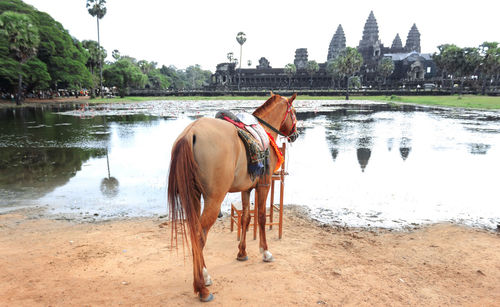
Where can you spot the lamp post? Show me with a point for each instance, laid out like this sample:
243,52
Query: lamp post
241,39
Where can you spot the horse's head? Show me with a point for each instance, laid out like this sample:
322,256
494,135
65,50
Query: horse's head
289,123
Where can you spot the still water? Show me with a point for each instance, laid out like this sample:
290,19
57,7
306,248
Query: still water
367,165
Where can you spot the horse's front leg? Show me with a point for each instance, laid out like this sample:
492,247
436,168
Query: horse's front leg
261,193
245,221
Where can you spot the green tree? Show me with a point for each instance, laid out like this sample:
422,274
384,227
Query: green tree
38,77
95,53
311,67
23,40
385,68
470,65
157,80
9,67
290,71
447,60
146,67
457,62
174,76
197,77
230,57
64,57
116,54
97,9
332,70
490,62
123,74
348,63
438,59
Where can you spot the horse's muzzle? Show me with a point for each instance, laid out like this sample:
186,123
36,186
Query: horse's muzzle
292,137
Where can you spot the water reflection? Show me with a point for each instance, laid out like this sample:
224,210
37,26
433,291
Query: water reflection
364,152
34,172
479,149
109,185
390,143
405,148
113,161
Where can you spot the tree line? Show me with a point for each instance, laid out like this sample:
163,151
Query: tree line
38,54
479,64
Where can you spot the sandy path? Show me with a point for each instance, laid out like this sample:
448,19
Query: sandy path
45,262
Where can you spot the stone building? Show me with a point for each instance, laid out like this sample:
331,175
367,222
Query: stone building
409,63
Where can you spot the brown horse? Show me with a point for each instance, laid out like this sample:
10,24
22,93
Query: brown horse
209,159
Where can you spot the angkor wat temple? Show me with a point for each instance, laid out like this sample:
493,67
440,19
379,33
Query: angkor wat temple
410,65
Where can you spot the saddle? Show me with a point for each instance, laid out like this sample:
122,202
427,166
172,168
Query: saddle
254,138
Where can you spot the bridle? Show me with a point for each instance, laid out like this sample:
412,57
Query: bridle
293,135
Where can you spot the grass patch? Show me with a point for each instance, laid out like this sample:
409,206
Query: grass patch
465,101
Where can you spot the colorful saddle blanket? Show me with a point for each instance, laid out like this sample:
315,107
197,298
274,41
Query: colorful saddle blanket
255,139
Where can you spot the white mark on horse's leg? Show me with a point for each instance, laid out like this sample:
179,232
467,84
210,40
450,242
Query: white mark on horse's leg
267,256
206,277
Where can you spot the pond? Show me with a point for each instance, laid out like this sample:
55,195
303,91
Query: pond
364,164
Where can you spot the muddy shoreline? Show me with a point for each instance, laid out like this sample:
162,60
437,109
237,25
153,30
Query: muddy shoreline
129,262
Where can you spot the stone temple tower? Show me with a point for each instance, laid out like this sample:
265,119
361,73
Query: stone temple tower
370,45
301,58
337,44
413,40
397,45
370,32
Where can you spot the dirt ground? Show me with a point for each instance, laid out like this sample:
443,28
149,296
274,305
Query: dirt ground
130,262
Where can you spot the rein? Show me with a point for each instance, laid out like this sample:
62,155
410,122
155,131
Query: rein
294,121
269,126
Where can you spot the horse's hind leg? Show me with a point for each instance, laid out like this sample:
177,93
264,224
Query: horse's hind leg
245,221
198,240
210,213
261,192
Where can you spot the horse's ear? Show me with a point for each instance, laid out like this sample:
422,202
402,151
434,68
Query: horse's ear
271,93
291,99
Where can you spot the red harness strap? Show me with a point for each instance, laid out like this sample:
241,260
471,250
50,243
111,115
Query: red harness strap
277,151
239,125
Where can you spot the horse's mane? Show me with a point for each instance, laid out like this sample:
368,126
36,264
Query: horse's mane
263,108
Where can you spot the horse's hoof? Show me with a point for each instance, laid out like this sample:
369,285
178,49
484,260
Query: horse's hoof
267,256
268,259
244,258
208,298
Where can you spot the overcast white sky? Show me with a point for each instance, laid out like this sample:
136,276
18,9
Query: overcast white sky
187,32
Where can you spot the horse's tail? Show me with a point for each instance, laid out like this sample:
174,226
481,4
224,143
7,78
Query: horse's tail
184,196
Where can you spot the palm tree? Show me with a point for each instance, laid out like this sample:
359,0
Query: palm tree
290,71
490,62
230,57
385,68
348,63
97,9
311,67
241,39
23,40
95,54
332,70
116,54
449,59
